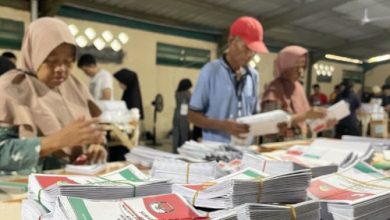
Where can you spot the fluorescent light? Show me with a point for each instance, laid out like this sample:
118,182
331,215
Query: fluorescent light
107,36
123,38
116,46
73,29
90,32
99,43
344,59
81,41
379,58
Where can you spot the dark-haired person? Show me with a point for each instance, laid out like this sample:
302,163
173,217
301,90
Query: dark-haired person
10,56
386,98
181,125
5,65
318,98
101,85
350,124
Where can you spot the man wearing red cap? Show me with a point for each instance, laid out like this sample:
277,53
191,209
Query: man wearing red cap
227,88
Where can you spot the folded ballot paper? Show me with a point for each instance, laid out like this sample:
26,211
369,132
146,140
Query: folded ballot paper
276,165
337,111
124,183
246,186
265,123
309,210
179,171
358,192
167,206
85,169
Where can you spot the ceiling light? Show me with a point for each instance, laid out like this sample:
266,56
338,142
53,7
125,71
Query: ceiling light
73,29
315,66
99,43
379,58
321,66
81,41
123,38
344,59
116,46
90,32
107,36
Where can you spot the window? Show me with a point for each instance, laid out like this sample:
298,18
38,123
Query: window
173,55
11,33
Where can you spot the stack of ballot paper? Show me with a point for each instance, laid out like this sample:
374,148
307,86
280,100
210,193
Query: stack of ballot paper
167,206
378,143
358,192
337,111
124,183
287,163
247,186
265,123
309,210
183,172
145,155
211,151
339,152
85,169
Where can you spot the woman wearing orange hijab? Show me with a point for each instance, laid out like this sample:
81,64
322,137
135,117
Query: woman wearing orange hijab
285,92
45,110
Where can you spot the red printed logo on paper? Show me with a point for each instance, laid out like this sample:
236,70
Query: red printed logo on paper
162,207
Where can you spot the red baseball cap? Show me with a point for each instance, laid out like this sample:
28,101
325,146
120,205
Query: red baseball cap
251,32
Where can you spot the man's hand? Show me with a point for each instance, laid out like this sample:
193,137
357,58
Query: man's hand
236,129
96,154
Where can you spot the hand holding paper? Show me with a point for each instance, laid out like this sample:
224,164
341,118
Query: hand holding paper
336,112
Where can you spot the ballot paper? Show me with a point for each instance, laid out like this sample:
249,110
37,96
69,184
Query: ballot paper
146,155
179,171
123,183
246,186
265,123
167,206
358,192
309,210
337,111
85,169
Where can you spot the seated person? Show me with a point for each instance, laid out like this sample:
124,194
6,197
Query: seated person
46,113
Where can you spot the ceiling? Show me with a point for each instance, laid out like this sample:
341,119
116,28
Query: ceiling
329,26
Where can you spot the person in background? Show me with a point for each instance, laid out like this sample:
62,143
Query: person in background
10,56
101,86
318,98
333,95
285,92
350,124
46,112
181,125
386,98
227,88
5,65
131,89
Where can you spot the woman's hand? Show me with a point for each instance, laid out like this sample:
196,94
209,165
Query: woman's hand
96,153
78,133
316,113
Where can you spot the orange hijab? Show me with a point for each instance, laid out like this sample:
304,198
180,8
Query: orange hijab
30,105
290,95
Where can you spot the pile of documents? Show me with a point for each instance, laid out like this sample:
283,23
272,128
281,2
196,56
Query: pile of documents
339,152
337,111
210,151
247,186
124,183
33,210
167,206
179,171
85,169
309,210
146,155
277,165
358,192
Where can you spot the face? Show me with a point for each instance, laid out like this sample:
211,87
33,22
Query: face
239,52
55,69
88,70
316,89
296,72
123,86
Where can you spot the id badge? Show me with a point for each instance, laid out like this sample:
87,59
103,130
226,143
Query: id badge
183,109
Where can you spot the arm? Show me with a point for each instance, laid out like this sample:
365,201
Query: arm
106,94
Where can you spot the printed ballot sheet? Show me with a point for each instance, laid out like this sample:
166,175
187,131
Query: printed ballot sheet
337,111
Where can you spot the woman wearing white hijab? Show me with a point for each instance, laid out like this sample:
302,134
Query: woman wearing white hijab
45,110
